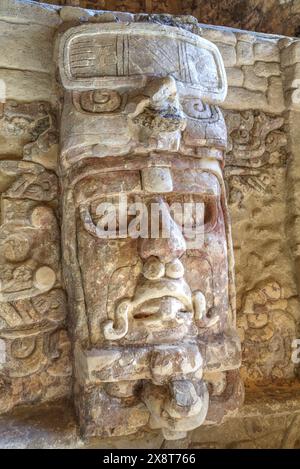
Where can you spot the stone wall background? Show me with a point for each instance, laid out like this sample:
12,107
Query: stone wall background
259,110
262,174
268,16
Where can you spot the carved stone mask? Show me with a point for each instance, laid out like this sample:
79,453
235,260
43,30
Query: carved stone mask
153,316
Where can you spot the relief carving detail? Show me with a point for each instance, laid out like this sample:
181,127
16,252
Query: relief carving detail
256,143
152,319
35,360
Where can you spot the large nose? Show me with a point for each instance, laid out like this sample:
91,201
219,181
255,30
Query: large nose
157,109
165,239
162,90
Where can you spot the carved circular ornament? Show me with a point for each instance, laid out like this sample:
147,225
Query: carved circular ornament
99,101
44,278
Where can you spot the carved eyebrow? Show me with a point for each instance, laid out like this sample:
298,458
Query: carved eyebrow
129,182
112,182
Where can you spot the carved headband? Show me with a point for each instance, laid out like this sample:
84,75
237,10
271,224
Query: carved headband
99,56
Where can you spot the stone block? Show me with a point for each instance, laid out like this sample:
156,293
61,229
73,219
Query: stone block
266,69
291,54
69,13
157,180
228,54
242,99
244,52
26,47
221,35
235,76
2,352
292,99
28,86
246,37
292,76
266,51
252,81
275,95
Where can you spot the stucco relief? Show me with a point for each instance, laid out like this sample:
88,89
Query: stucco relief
267,328
35,357
256,144
29,131
153,320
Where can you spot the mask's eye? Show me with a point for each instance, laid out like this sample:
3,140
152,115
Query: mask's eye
99,101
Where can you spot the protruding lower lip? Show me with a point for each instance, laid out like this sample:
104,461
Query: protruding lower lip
152,290
159,312
144,316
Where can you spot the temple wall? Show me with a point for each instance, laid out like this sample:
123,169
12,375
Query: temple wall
35,360
262,174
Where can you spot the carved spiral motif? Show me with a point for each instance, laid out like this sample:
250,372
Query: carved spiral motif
23,347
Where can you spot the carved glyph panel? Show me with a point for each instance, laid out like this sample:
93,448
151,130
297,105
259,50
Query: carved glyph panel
256,148
35,364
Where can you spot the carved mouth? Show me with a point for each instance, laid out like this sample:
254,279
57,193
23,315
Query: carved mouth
160,309
154,293
144,315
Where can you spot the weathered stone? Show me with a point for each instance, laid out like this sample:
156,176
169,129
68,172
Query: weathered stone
28,12
33,305
266,69
267,420
219,35
2,352
235,76
252,81
154,296
157,180
26,47
292,76
241,98
69,13
244,53
29,131
279,17
151,320
292,99
266,51
246,36
275,95
291,54
228,53
28,86
253,137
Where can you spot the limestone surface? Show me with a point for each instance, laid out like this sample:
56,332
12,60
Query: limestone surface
150,337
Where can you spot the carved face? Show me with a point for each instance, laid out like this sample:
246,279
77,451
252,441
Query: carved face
139,138
151,290
148,292
139,129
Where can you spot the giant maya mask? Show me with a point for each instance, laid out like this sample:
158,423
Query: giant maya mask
152,319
